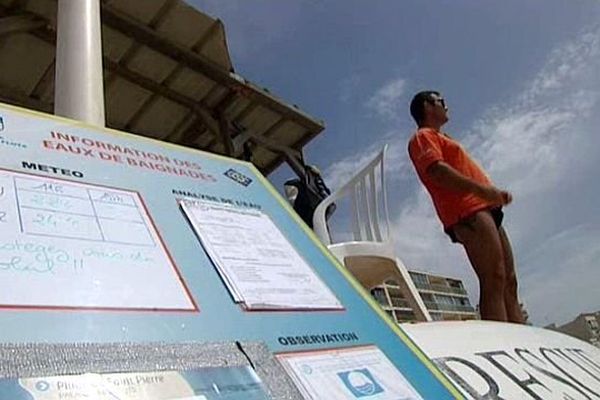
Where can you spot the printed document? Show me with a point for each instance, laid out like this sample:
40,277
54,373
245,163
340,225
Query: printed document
258,264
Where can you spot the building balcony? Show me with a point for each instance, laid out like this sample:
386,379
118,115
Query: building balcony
441,288
448,307
400,303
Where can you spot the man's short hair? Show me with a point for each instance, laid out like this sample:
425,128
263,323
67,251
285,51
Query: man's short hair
417,105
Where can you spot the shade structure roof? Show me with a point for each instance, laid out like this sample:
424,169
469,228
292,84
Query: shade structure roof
167,75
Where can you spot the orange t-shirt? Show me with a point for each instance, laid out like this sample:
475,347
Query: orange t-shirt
428,146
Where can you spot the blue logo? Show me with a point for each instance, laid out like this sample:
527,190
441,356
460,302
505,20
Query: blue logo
360,383
238,177
1,124
42,386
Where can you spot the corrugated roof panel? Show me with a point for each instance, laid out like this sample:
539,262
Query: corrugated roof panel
24,60
263,157
47,8
114,43
238,106
151,64
184,27
260,119
216,49
145,41
142,10
192,84
123,100
204,139
160,118
218,147
215,96
289,133
45,90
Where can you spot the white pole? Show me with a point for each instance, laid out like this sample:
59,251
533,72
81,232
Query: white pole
79,86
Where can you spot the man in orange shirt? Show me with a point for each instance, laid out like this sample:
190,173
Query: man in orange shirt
468,205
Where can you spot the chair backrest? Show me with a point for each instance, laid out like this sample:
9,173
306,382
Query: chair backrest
368,201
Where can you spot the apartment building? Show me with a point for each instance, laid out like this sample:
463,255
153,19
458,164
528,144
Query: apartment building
444,297
585,327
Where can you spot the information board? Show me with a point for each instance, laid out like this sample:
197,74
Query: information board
93,242
95,247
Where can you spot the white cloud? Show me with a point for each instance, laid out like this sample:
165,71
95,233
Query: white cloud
349,87
540,147
271,25
387,100
543,146
396,166
559,274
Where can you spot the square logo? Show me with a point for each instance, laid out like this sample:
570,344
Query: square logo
238,177
360,383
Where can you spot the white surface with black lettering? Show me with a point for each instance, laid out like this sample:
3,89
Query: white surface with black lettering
492,360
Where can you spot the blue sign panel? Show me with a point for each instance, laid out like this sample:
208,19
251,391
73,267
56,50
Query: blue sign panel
95,247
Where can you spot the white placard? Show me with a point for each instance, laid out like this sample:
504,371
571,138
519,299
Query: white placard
484,357
352,373
167,385
258,264
75,245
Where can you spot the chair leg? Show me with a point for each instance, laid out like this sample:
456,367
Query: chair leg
410,292
373,271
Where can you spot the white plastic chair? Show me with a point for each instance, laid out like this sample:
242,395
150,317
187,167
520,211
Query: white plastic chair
370,256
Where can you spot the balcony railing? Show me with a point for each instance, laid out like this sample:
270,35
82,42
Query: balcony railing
400,303
441,288
448,307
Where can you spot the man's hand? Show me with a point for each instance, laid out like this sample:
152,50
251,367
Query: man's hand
495,195
447,177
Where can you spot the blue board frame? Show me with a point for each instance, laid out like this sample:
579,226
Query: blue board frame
29,138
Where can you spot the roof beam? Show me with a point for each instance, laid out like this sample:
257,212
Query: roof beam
237,86
18,98
210,32
185,123
152,86
127,25
277,161
173,75
47,34
285,154
130,27
203,113
135,47
20,23
224,132
239,117
45,82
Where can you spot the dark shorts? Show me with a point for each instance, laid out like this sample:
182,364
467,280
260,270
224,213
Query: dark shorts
496,212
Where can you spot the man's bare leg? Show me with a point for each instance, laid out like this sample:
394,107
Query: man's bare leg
481,240
511,297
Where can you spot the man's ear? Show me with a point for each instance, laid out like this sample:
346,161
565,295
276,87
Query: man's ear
427,107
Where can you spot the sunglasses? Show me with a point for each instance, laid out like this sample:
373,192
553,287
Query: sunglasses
440,101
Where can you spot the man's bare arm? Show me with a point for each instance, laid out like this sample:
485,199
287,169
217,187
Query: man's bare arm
447,177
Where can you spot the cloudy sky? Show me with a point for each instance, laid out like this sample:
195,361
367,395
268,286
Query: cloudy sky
523,84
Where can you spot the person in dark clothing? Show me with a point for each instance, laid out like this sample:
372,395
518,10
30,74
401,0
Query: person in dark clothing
306,194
